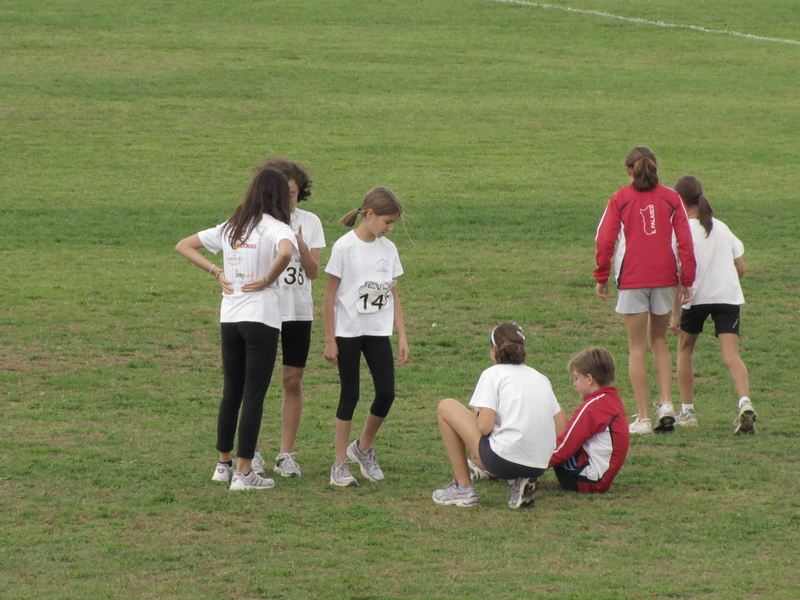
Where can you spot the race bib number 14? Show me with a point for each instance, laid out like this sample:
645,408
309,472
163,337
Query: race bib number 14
375,296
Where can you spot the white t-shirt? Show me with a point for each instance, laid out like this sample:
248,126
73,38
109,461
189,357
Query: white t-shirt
523,400
363,304
247,262
296,300
717,281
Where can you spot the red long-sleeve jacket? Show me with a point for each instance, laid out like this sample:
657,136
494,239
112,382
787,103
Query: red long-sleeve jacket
598,437
642,225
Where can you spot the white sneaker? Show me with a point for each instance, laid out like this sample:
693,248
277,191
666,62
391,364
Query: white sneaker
367,460
521,492
686,418
477,474
453,496
665,418
341,476
286,466
252,481
641,426
258,463
222,472
745,421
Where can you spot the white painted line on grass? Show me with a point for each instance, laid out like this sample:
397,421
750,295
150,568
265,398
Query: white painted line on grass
645,22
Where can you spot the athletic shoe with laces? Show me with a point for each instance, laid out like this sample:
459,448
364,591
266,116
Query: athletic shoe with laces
477,474
746,419
687,418
222,472
451,494
665,418
640,426
367,460
258,463
521,492
341,476
251,481
286,466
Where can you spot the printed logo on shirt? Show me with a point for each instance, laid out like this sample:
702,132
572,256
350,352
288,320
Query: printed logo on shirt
383,266
234,258
649,219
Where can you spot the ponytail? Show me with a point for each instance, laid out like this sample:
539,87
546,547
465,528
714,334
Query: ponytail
380,200
643,168
691,192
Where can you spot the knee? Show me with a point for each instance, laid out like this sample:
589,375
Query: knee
293,380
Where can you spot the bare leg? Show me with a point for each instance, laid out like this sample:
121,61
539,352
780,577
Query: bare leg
371,427
292,407
342,439
729,344
686,344
459,428
636,326
662,359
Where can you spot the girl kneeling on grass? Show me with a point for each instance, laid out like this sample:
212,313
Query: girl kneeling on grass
512,433
257,244
592,450
360,307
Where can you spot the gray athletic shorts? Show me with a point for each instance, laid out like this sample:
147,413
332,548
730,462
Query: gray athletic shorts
655,300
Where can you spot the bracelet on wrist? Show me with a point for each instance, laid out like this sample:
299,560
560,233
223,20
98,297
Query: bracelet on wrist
221,271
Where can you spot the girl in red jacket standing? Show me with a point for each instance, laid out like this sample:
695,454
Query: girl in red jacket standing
642,220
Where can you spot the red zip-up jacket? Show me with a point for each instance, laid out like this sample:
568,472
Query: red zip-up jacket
642,224
598,437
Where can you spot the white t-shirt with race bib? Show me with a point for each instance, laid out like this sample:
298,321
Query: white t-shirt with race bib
717,281
245,263
363,303
523,400
296,300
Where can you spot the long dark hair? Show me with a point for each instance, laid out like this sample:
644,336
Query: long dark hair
292,170
268,193
644,168
691,192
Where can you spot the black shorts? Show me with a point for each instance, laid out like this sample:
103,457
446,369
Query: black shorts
502,468
295,343
725,317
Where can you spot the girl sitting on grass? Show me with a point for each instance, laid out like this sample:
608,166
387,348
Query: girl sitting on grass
512,433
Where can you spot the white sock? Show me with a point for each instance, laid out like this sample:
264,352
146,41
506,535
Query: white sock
685,407
743,400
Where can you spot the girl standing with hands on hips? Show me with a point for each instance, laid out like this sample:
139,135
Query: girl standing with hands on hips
641,220
257,244
360,307
717,294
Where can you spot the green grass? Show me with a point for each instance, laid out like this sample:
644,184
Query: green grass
502,128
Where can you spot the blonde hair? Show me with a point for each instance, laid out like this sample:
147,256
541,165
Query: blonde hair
380,200
596,362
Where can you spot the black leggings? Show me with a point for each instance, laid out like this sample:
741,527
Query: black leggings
248,358
377,351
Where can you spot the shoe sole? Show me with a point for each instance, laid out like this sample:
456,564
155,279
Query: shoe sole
460,503
665,424
526,498
353,483
352,456
747,423
686,423
252,487
280,472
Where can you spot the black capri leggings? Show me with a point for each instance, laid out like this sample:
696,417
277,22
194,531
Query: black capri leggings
248,358
377,351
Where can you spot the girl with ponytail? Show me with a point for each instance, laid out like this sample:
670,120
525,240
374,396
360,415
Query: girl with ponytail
717,294
641,220
512,433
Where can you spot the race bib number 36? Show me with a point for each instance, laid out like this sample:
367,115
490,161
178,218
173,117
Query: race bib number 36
374,296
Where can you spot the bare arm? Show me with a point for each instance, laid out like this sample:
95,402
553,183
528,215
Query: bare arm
331,353
285,249
485,418
189,248
402,345
561,421
309,257
741,268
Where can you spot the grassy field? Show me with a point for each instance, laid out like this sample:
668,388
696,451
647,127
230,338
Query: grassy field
502,128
